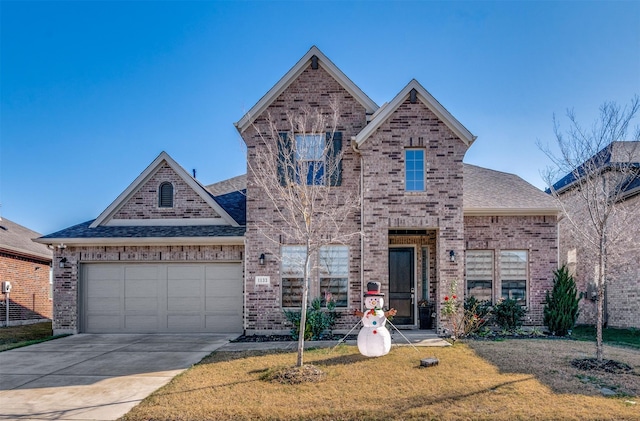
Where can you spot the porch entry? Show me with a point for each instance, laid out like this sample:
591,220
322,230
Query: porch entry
402,284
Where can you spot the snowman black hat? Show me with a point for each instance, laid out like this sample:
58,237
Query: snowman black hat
373,290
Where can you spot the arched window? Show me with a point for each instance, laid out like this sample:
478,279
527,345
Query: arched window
165,195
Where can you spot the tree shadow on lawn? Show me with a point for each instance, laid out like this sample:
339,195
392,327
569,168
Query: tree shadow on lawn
341,360
550,363
406,404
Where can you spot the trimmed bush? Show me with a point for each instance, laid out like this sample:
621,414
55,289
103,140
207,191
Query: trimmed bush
508,314
561,307
318,319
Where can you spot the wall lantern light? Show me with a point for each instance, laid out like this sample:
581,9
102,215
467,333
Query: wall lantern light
261,259
452,256
63,261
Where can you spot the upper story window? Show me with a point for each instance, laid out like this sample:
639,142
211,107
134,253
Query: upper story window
310,159
165,195
414,169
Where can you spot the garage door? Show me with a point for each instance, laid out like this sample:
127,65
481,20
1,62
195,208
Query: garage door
163,298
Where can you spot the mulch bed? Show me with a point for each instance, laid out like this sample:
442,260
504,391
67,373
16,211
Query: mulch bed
609,366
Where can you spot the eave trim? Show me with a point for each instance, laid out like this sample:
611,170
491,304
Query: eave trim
108,213
429,101
26,253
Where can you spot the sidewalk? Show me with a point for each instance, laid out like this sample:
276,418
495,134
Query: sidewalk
418,338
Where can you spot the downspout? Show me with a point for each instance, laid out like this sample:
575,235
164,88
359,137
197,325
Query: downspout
354,146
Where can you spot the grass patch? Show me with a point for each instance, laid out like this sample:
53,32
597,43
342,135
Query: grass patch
18,336
480,380
551,363
610,335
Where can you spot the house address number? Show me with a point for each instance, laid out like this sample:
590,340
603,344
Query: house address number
263,280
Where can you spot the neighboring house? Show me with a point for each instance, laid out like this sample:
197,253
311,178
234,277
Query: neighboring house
622,290
27,267
171,255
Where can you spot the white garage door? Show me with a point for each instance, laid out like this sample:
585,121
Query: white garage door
150,298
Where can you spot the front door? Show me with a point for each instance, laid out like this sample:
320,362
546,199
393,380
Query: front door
402,284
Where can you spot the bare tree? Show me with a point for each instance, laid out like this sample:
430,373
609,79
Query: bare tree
590,176
297,166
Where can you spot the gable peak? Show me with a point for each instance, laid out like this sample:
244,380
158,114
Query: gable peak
316,59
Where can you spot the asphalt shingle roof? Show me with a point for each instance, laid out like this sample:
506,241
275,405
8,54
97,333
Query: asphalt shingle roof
484,189
15,238
229,185
495,190
235,203
619,152
83,231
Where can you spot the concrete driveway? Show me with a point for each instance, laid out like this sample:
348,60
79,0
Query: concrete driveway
98,377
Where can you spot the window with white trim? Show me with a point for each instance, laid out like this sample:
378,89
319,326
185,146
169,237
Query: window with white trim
479,274
514,274
414,170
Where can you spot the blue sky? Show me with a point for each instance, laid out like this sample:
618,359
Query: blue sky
91,92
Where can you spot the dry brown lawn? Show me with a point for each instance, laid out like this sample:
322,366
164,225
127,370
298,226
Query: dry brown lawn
549,361
510,380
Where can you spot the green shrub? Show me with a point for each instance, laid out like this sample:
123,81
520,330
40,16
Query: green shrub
561,307
318,319
508,314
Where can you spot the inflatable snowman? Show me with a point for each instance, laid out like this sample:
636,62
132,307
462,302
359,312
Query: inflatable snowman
374,339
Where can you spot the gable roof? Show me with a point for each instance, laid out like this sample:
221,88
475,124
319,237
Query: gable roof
18,240
264,102
428,100
198,188
625,153
489,192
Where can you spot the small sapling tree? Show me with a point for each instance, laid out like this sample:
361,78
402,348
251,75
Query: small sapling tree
296,168
593,168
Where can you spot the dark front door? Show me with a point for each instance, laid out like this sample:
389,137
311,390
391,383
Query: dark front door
401,284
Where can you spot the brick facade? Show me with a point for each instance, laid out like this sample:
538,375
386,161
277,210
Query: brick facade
622,297
144,203
388,206
315,89
30,294
66,309
436,213
538,235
